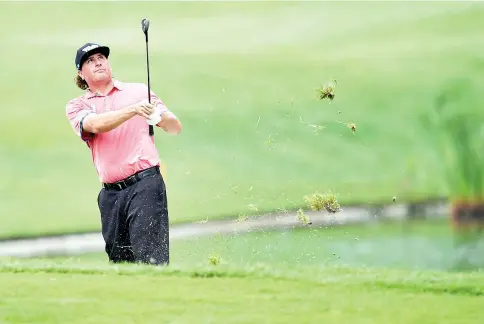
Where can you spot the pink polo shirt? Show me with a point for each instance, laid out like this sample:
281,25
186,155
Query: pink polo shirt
125,150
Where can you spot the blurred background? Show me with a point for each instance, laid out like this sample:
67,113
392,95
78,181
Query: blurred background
243,78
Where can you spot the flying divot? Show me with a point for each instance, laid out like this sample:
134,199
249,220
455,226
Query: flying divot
328,202
203,221
242,218
351,126
327,91
214,259
302,217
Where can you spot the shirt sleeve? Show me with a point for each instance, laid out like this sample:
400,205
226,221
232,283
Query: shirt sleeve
155,100
76,111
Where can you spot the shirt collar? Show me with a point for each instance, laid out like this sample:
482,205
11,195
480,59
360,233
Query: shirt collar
118,85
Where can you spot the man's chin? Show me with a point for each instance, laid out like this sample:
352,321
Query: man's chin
100,77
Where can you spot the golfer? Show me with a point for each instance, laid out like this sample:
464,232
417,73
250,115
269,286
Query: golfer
111,117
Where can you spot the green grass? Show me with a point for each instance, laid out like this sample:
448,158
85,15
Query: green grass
456,120
262,293
237,74
350,274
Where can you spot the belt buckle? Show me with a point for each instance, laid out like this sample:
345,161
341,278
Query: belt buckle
120,185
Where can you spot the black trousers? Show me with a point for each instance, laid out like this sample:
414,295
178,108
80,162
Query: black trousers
135,221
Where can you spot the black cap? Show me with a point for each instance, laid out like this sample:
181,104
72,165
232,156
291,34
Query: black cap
87,50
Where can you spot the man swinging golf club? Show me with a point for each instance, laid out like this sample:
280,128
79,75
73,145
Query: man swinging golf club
114,118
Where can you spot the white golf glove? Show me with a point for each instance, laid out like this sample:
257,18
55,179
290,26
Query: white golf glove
155,116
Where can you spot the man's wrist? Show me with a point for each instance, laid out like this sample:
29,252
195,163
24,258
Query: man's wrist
163,110
131,110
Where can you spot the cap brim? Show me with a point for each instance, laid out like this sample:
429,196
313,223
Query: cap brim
104,50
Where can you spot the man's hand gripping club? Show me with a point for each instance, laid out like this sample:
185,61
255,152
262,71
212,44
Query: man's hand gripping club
105,122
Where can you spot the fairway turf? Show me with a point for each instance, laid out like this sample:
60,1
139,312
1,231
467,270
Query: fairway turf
127,294
242,78
374,273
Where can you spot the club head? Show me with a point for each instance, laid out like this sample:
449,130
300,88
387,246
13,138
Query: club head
145,25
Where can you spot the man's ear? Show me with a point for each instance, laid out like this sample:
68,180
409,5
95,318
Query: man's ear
79,73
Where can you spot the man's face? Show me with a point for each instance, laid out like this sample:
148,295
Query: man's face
96,68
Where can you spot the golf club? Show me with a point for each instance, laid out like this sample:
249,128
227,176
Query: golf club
145,25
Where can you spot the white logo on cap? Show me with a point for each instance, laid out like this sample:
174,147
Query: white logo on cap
90,47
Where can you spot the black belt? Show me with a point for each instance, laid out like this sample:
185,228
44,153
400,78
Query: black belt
125,183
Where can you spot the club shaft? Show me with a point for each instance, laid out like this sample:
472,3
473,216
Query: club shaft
151,128
148,69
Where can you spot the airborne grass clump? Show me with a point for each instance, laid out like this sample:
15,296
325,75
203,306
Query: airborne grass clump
214,259
327,91
303,218
351,126
327,202
242,218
